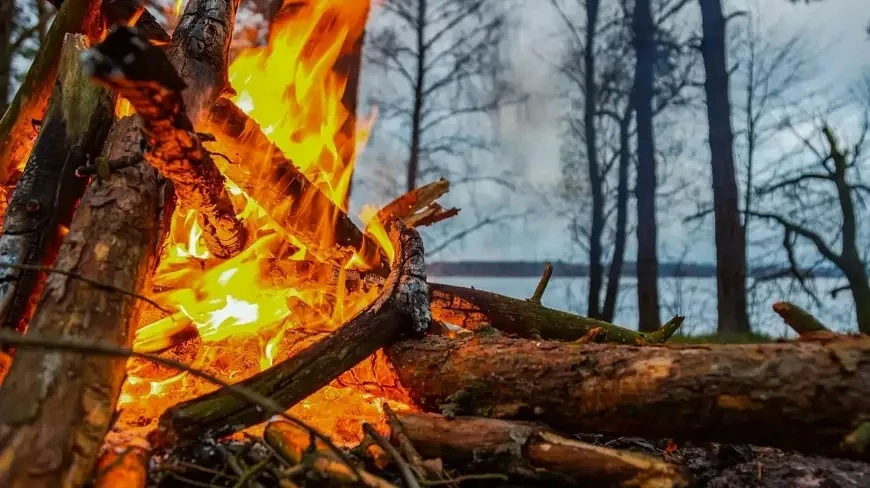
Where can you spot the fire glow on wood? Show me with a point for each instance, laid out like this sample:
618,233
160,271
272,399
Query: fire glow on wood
232,317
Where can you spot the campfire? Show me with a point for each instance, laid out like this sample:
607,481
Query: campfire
182,273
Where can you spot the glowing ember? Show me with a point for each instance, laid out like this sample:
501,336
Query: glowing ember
235,317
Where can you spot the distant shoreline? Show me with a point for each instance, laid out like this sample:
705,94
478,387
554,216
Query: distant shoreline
529,269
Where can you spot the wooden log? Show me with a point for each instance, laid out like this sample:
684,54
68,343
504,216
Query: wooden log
122,467
474,309
532,452
418,208
278,186
806,396
121,12
17,128
56,407
401,307
78,120
146,77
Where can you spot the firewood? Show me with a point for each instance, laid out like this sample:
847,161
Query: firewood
473,309
298,448
532,452
402,306
418,208
122,12
56,407
122,467
807,396
146,77
18,127
278,186
78,120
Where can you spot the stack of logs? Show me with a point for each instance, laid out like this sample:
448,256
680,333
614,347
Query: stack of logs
485,371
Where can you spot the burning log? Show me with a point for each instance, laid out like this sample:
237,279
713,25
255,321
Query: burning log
124,12
806,396
474,309
401,306
17,127
122,467
56,407
278,186
529,451
79,117
142,74
296,446
418,208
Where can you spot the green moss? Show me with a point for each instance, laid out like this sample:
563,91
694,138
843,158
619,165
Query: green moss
745,338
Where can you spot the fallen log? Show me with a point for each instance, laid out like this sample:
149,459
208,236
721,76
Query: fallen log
473,309
17,127
56,407
401,306
532,452
290,199
805,396
148,79
78,120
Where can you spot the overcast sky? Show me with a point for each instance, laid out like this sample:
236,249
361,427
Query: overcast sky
531,143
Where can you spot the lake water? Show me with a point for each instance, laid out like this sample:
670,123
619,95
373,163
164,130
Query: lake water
693,297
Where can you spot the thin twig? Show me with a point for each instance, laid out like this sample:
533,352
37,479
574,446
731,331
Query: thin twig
73,344
467,477
542,285
407,475
414,457
252,472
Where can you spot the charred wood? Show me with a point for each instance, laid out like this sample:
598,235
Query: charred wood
807,396
402,306
124,12
78,120
142,74
532,452
56,407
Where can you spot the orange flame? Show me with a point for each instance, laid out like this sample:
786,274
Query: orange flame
244,307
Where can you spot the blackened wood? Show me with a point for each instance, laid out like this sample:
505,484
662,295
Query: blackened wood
806,396
78,120
121,12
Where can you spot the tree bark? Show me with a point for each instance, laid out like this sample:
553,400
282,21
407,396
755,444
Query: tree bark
806,396
56,407
17,129
645,190
78,120
402,306
532,452
730,240
596,183
169,103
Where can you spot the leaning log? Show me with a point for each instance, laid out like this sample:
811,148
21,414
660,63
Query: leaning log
473,309
806,396
402,306
146,77
18,127
531,452
56,407
78,120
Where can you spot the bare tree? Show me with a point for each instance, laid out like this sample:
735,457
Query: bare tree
21,31
444,56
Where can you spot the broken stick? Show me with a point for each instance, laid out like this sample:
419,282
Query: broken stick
142,74
807,396
401,306
532,452
78,120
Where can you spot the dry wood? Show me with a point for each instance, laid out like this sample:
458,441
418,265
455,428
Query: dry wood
17,129
56,407
474,309
532,452
78,120
806,396
122,467
802,322
123,12
402,306
298,448
296,204
142,74
418,208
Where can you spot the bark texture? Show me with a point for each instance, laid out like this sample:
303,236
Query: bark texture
730,239
56,407
803,396
78,120
532,452
401,307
